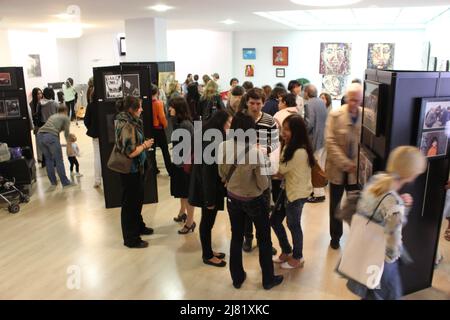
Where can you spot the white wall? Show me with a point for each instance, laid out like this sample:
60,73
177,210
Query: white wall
5,52
201,52
68,60
22,43
304,52
97,50
437,32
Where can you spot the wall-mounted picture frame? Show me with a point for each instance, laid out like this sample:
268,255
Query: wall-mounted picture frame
5,79
381,56
334,85
372,105
249,71
34,66
131,86
2,110
113,86
366,162
280,73
280,56
433,127
12,108
249,54
335,58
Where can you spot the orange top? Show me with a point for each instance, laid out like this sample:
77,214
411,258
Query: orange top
432,151
159,117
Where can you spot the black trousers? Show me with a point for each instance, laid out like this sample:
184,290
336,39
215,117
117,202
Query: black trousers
206,225
336,193
258,211
161,142
132,201
74,163
71,109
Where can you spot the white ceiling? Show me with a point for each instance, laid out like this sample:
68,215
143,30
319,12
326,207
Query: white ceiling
195,14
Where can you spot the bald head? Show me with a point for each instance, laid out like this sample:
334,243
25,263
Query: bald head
310,91
354,96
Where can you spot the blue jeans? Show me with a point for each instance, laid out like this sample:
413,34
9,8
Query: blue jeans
52,151
293,213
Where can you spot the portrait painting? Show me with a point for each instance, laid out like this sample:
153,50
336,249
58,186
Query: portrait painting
249,70
335,58
34,66
434,143
280,56
249,53
131,85
5,79
381,56
334,85
113,86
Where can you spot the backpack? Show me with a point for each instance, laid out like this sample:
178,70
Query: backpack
5,155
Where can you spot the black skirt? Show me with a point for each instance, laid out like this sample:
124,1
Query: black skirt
179,183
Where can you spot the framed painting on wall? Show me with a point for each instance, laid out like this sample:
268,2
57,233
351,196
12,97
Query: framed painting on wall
34,66
381,56
280,73
280,56
334,85
249,53
165,79
249,70
335,58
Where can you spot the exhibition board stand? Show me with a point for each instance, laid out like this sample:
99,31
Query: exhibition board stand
111,84
15,125
402,108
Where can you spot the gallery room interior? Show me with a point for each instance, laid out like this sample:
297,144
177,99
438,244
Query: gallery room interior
63,236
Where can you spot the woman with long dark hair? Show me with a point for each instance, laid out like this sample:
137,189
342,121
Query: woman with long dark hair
130,141
296,162
36,97
207,190
193,98
179,180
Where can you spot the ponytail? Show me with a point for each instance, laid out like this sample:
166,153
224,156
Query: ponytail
383,184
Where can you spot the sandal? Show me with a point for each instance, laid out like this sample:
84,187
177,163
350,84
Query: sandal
182,217
447,234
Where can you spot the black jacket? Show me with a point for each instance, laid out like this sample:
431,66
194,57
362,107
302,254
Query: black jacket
206,188
91,120
207,107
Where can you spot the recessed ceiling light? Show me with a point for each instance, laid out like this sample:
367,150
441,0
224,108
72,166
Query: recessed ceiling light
228,21
161,8
325,3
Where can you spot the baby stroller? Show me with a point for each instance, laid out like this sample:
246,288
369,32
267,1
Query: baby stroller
9,193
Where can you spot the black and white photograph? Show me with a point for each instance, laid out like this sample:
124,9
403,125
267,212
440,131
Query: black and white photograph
280,73
34,66
12,108
437,113
365,167
434,143
371,101
113,86
131,85
2,110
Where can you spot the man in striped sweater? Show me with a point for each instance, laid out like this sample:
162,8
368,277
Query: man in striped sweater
268,141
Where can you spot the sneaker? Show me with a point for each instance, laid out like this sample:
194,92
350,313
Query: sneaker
315,199
79,175
70,185
275,282
247,246
298,264
281,259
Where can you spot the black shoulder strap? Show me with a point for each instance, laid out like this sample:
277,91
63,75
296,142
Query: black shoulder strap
234,166
379,204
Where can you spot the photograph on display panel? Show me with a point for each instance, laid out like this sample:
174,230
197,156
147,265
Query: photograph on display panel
434,144
334,85
335,58
365,165
371,106
34,66
12,108
381,56
436,114
280,56
131,86
113,86
249,53
5,79
165,79
2,110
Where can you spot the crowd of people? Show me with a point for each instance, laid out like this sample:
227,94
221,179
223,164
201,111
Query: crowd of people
296,130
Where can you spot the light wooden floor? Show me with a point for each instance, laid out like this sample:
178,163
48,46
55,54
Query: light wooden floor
62,229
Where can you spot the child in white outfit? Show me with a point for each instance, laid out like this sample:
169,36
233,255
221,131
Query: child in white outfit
72,153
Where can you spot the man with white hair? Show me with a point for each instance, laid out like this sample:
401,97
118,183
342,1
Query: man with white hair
342,135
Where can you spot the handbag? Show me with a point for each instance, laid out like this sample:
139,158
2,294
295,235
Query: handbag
118,162
318,177
364,254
